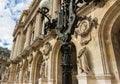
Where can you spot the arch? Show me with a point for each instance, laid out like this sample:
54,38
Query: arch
105,34
35,68
56,70
53,59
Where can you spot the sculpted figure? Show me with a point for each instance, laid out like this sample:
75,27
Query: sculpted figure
42,70
26,76
82,61
5,75
30,59
47,48
18,71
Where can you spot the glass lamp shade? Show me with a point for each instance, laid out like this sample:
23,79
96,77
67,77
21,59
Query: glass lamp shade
45,4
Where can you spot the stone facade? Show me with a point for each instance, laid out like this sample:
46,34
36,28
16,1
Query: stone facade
36,59
4,63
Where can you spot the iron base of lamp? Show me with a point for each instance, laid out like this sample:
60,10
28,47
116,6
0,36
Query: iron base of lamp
66,50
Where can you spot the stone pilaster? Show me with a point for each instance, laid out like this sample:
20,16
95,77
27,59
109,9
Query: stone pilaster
13,47
16,46
38,25
28,36
20,46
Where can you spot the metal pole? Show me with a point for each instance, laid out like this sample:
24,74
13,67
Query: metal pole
66,50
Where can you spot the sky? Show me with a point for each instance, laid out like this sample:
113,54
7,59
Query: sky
10,11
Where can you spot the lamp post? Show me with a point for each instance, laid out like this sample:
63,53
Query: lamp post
64,25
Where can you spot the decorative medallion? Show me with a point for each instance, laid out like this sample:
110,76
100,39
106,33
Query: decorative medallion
85,27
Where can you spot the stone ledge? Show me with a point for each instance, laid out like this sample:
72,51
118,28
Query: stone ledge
100,77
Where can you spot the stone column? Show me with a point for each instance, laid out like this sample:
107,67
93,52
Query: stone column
16,46
38,25
28,36
20,45
13,47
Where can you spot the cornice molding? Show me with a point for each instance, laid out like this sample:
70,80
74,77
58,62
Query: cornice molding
18,28
29,13
86,9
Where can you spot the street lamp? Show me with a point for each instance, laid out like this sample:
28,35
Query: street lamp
64,25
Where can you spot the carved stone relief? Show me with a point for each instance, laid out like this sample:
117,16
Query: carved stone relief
5,74
84,31
30,58
28,68
42,69
26,76
26,73
45,52
17,72
85,27
47,48
82,61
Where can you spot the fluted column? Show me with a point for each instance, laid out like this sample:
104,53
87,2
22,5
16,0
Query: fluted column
28,37
38,25
16,46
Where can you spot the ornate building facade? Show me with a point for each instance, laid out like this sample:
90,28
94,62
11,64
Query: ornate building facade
36,57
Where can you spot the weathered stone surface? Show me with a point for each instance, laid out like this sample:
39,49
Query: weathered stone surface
96,50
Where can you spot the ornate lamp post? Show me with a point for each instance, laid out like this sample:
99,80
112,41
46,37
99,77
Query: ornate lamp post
64,25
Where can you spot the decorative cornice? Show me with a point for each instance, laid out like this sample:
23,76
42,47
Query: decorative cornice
86,9
29,12
98,77
18,27
32,10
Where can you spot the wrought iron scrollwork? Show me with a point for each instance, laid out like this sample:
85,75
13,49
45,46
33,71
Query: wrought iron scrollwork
66,20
